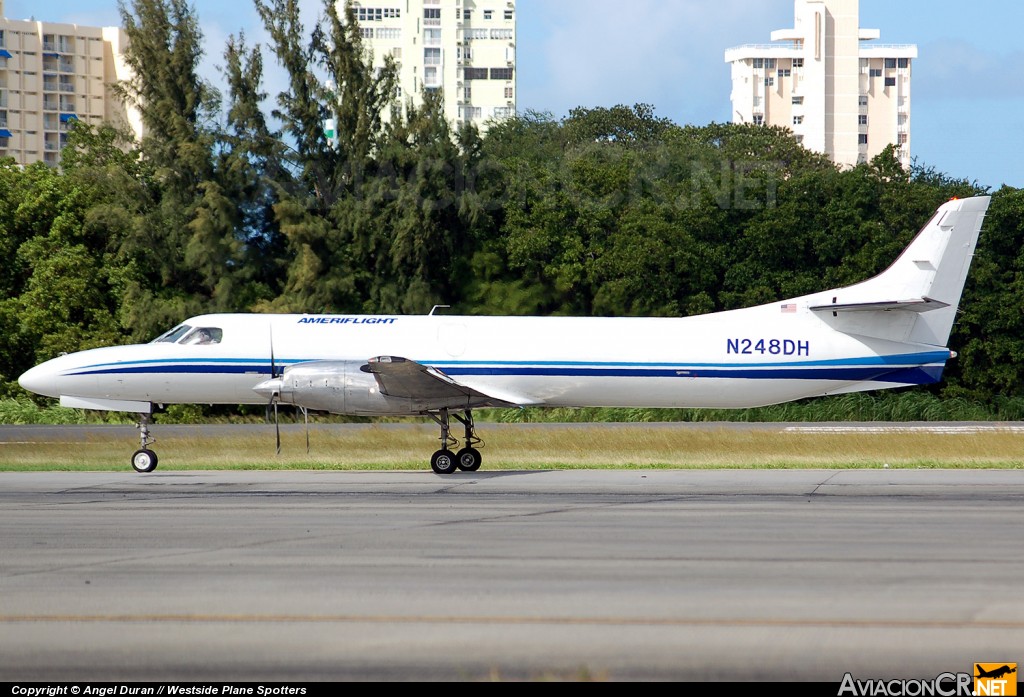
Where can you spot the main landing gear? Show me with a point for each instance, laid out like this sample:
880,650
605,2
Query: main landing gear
444,461
144,459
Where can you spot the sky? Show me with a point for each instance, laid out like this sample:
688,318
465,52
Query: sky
967,87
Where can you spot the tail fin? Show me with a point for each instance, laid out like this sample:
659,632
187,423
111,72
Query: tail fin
914,300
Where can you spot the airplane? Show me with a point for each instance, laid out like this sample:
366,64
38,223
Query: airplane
996,673
887,332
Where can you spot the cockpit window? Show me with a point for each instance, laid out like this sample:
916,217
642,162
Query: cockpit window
172,336
203,335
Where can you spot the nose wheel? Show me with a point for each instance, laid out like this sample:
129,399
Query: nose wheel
144,459
468,459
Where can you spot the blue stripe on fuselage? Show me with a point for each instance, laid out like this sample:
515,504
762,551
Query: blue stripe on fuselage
894,369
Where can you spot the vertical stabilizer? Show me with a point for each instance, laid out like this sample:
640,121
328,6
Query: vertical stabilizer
914,300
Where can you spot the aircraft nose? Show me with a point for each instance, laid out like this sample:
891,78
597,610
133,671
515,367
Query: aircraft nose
269,388
43,379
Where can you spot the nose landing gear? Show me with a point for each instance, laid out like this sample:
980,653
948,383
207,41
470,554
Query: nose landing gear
144,459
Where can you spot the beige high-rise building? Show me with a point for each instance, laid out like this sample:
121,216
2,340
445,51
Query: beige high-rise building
825,79
465,48
52,74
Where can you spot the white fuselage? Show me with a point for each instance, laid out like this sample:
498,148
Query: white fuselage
743,358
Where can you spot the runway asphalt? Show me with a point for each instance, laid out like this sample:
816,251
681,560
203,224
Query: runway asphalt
613,575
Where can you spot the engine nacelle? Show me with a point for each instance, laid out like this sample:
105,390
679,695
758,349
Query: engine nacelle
341,387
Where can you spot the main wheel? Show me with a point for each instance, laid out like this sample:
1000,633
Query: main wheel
443,462
469,459
144,460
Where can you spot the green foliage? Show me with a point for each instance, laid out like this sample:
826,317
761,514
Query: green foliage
610,211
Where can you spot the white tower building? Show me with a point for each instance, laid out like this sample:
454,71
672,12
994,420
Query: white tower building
466,48
52,74
840,94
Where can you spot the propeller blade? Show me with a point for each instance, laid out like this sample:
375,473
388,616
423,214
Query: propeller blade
273,364
277,428
305,414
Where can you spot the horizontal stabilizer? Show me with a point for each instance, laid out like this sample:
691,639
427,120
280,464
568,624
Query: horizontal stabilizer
913,305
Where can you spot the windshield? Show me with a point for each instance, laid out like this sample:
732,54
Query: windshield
171,336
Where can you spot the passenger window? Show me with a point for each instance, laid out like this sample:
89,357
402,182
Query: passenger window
203,335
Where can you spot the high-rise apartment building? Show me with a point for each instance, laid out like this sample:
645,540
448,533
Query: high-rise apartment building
841,94
465,48
52,74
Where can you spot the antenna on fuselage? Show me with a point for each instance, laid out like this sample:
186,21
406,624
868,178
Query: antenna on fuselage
438,307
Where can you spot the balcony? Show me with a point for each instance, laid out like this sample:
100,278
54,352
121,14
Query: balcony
67,87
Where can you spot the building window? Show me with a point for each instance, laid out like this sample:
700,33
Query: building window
758,63
785,72
508,14
797,120
758,119
366,32
769,82
501,33
508,93
501,73
369,14
902,138
904,62
875,72
467,93
471,34
757,101
862,119
890,82
488,14
432,56
862,138
890,63
431,37
798,62
503,112
863,100
797,100
432,16
475,74
470,112
430,77
467,15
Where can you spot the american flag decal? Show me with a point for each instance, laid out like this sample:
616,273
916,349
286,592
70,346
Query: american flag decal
789,307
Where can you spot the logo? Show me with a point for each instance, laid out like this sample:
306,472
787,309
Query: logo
997,679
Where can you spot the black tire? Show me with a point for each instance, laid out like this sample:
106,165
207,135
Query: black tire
444,462
469,459
144,460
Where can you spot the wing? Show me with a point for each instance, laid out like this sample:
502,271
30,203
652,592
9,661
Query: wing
400,377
